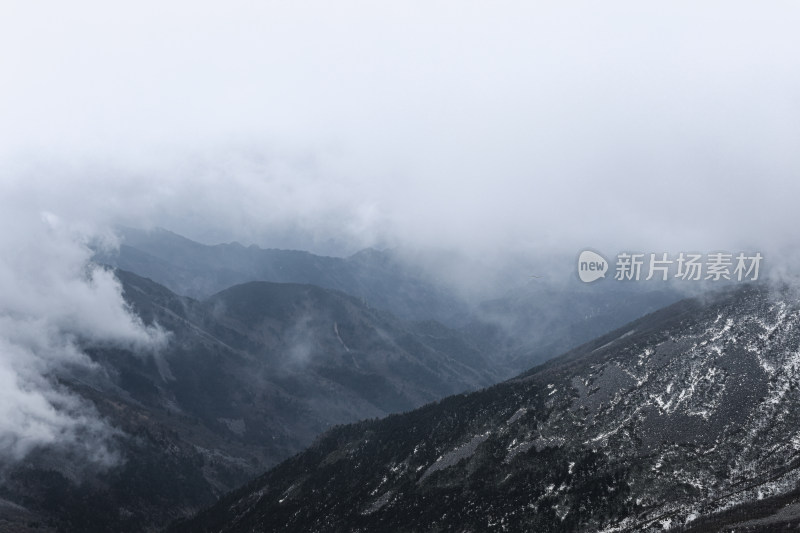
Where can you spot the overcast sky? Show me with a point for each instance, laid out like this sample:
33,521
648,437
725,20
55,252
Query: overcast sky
480,125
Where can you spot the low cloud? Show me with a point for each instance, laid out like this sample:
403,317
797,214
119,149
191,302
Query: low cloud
482,129
55,303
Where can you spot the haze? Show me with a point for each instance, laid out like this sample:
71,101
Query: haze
484,128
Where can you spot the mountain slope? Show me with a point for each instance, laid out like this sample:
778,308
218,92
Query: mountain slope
686,418
250,376
524,327
197,270
540,321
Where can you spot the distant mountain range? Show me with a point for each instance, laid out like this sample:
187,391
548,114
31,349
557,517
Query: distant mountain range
197,270
270,348
539,321
519,328
687,419
250,376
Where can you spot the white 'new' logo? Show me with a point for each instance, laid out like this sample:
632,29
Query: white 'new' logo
591,266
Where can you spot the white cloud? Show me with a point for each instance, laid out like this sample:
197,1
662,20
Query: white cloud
474,126
55,302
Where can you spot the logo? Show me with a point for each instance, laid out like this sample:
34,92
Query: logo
715,266
591,266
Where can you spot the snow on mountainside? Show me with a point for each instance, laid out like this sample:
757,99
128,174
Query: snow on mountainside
686,419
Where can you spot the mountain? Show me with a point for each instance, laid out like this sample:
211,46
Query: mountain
520,328
250,376
686,419
192,269
539,321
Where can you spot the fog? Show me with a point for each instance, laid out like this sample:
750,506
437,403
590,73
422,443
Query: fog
457,125
55,305
499,132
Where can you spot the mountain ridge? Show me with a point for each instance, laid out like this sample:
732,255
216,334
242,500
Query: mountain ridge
684,423
227,398
522,327
198,270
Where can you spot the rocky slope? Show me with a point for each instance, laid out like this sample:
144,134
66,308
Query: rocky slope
686,419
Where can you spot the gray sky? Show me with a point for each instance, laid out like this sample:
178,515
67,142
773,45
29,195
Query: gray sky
473,125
